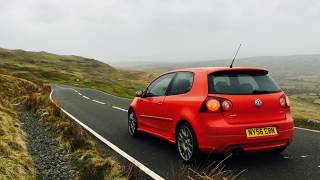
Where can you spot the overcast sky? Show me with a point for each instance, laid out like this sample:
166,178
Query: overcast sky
151,30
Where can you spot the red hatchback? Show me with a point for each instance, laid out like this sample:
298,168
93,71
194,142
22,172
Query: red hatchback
214,110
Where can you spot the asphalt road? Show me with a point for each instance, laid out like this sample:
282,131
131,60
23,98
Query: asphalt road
106,115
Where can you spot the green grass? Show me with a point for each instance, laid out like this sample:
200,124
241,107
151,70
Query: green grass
305,123
15,161
303,109
43,67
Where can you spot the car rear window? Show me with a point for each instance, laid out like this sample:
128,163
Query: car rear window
242,82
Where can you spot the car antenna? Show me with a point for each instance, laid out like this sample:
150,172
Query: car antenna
235,56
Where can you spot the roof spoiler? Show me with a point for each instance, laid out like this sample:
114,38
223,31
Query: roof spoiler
241,70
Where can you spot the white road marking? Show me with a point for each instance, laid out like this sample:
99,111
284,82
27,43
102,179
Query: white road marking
115,107
304,156
319,166
85,97
98,102
305,129
110,94
112,146
80,94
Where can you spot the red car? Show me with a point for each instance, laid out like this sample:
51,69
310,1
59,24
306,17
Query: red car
214,110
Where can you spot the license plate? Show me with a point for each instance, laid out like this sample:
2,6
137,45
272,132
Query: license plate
264,131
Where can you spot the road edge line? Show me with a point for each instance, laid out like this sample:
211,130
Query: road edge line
112,146
306,129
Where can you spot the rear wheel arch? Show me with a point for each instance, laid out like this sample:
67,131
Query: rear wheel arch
179,123
130,109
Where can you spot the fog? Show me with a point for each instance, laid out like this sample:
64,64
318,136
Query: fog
122,31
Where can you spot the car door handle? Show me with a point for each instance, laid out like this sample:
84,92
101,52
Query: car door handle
159,102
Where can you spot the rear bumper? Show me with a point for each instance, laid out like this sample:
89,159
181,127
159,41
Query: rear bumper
226,137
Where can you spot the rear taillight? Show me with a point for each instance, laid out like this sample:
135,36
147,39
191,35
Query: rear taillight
216,104
226,105
213,105
284,101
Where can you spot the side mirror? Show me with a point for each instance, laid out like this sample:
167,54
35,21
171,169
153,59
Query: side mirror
139,93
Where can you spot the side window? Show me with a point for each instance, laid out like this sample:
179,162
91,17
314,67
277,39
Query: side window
182,83
159,86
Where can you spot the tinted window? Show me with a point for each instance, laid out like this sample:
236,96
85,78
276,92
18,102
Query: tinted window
159,86
242,83
182,83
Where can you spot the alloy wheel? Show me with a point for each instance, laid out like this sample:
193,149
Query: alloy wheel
132,123
185,143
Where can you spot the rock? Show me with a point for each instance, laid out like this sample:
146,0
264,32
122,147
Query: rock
51,162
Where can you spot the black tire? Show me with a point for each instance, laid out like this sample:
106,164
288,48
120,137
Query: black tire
186,143
132,123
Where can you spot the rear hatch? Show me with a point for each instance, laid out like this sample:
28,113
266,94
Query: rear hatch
254,95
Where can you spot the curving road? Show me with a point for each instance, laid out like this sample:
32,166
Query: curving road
106,115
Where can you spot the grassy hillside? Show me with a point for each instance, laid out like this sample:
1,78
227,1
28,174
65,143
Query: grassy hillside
15,161
43,67
12,88
298,75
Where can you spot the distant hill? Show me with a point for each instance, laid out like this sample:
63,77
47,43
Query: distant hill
43,67
300,73
296,73
300,63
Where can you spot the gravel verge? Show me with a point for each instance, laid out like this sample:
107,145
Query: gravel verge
51,162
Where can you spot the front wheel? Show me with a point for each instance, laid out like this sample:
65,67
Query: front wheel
132,123
186,143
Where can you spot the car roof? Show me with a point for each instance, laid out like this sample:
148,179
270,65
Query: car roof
216,69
